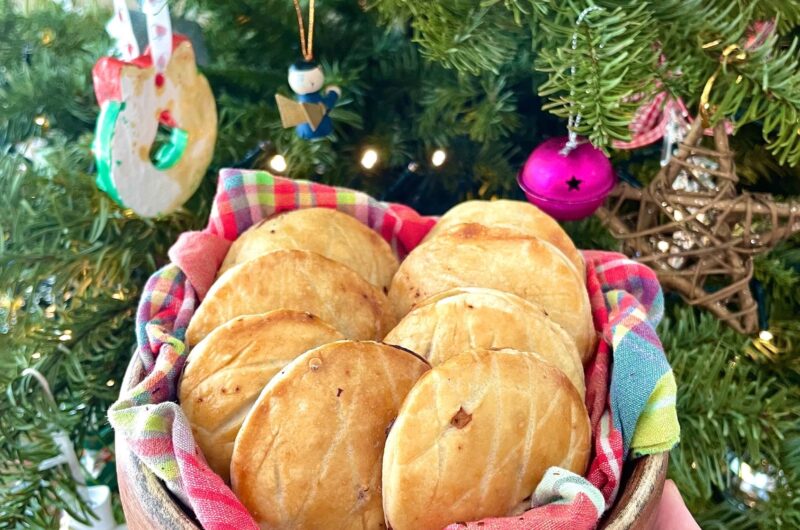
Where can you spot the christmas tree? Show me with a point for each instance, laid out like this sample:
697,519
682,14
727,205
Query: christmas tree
441,101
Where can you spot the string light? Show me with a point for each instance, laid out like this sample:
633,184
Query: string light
66,335
438,157
768,346
278,163
110,382
47,36
369,158
36,355
41,121
663,246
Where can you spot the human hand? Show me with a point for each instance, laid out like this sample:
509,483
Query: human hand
672,513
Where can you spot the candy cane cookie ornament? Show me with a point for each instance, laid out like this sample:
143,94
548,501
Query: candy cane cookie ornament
136,97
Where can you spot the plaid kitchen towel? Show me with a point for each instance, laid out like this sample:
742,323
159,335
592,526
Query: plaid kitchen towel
630,387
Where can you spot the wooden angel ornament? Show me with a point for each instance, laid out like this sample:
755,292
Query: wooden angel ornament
309,113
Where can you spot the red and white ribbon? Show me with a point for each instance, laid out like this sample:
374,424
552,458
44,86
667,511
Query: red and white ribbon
121,29
655,118
159,31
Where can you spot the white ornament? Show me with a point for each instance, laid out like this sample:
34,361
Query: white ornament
135,98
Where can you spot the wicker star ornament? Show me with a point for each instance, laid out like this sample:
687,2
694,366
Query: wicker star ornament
697,231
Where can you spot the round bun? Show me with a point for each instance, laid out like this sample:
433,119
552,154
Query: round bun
475,436
294,279
457,320
331,233
309,453
227,370
473,255
519,216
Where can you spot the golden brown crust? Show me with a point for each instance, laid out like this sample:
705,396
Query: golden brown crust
294,279
518,216
476,434
227,370
330,233
457,320
309,453
473,255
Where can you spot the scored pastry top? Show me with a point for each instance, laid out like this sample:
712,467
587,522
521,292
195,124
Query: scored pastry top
294,279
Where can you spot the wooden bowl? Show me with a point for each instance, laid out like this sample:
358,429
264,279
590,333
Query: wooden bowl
148,504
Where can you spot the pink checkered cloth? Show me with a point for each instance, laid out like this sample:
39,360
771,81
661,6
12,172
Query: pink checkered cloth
159,435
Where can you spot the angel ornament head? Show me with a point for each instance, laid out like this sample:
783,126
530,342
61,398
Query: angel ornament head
309,112
306,77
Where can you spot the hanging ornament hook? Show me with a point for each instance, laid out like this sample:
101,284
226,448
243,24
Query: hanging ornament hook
574,119
306,45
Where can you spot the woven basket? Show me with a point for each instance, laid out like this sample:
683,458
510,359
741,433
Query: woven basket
148,504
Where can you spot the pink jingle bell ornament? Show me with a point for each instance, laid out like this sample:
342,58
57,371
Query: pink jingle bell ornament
567,186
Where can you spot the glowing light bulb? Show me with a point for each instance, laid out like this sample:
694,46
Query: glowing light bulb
369,158
110,382
765,335
438,157
663,246
278,163
678,215
41,121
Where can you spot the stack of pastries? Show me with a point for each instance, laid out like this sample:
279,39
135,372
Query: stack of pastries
334,387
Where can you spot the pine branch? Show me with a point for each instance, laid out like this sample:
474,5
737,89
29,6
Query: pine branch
765,87
779,272
696,22
461,34
750,408
484,110
71,268
35,56
590,233
612,61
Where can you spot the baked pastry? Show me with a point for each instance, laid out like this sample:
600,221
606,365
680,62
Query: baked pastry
328,232
475,436
473,255
226,371
299,280
309,453
457,320
518,216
